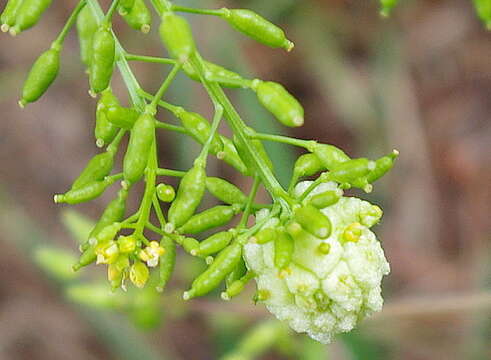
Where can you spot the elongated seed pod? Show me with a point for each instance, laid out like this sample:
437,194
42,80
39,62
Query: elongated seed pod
165,193
88,192
102,62
283,249
231,156
41,76
330,156
208,219
225,191
236,287
255,26
382,166
351,170
139,17
213,244
259,149
307,165
313,221
104,130
200,129
28,14
167,262
217,73
224,263
239,271
278,101
88,257
7,19
189,195
96,169
326,198
176,36
86,28
264,236
141,138
188,244
121,117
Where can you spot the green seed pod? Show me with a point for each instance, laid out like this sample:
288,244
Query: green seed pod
176,36
278,101
258,148
213,244
257,27
239,271
121,117
96,169
104,130
209,219
165,193
283,249
313,221
307,165
330,156
200,129
86,28
221,75
125,6
188,244
231,156
237,286
225,191
102,62
167,262
326,198
88,192
189,195
351,170
28,14
88,257
388,5
7,19
264,236
41,76
107,234
224,263
382,166
138,17
141,138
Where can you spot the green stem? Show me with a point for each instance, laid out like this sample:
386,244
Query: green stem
217,117
113,146
110,12
218,12
163,125
164,104
68,25
165,85
307,144
158,211
243,238
322,178
149,59
250,201
168,172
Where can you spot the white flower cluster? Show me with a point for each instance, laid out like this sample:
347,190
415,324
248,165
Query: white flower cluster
325,292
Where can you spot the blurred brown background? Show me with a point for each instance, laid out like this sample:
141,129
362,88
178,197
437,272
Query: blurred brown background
419,81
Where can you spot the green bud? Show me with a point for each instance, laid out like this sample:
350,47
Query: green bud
313,221
139,274
127,244
165,193
326,198
176,36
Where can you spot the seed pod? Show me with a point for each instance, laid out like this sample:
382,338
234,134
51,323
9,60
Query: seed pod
388,5
231,156
278,101
382,166
224,263
86,28
102,62
257,27
141,138
307,165
167,262
326,198
221,75
330,156
237,286
189,195
239,271
200,129
176,36
88,257
264,236
165,193
28,14
351,170
258,149
125,6
121,117
139,274
96,169
208,219
41,76
225,191
105,131
138,16
7,19
313,221
107,234
213,244
88,192
283,249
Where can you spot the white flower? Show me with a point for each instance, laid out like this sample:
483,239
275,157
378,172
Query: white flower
324,294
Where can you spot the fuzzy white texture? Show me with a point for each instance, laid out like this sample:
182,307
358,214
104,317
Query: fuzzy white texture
324,294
